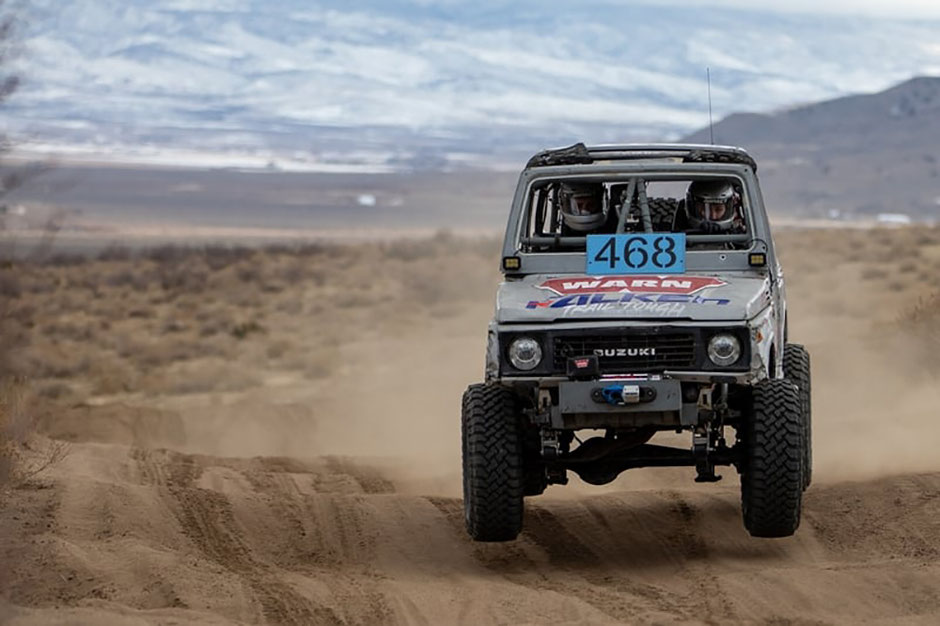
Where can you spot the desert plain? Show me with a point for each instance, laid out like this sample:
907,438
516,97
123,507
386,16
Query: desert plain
226,435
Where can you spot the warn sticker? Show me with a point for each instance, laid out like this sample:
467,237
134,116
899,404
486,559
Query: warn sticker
631,284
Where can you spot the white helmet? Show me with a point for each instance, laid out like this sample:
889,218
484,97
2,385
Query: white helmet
711,205
581,206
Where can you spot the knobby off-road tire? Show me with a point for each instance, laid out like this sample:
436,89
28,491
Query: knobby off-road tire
796,368
772,481
493,472
662,212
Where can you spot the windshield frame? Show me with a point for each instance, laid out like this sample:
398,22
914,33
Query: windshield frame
573,260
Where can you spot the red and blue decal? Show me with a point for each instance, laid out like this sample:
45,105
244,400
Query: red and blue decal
631,284
602,298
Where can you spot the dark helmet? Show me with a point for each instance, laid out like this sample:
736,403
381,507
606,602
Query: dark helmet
711,205
581,206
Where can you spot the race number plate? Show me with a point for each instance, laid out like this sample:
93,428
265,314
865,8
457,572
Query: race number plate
636,253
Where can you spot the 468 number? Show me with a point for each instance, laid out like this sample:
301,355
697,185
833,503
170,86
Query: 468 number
636,253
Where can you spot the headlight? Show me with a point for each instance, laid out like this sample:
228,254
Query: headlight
525,353
724,350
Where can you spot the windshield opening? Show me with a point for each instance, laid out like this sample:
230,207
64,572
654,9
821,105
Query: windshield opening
713,211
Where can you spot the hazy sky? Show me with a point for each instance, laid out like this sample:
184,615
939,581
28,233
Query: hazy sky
886,8
905,9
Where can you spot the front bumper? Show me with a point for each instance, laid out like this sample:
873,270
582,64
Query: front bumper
602,404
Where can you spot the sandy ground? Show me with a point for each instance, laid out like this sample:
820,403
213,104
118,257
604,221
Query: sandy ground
335,499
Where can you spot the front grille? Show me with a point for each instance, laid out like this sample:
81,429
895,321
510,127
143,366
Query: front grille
622,353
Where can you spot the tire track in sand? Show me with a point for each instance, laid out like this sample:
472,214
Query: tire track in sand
592,556
575,570
325,534
207,520
594,569
709,603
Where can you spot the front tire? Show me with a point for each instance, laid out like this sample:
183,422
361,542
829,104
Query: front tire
772,480
493,470
796,367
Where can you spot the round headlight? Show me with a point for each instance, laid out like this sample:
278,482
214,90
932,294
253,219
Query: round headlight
724,350
525,353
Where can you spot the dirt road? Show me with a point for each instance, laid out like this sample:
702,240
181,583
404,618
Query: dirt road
131,535
336,501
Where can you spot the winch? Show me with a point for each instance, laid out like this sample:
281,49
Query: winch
622,394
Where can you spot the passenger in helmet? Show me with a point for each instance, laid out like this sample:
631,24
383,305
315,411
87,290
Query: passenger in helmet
711,206
582,207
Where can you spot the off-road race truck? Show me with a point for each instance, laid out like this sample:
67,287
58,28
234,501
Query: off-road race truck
652,322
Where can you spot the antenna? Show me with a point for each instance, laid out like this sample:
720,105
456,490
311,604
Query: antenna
711,125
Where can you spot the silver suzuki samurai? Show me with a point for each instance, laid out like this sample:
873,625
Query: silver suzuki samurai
642,294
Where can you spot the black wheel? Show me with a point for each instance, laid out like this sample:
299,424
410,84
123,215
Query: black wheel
772,476
796,369
493,472
662,212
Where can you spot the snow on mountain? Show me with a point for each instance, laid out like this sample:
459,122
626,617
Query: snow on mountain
403,82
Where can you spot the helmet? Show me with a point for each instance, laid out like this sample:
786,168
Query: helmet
711,205
581,206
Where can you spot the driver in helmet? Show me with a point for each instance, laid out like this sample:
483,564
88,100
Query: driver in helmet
582,207
711,207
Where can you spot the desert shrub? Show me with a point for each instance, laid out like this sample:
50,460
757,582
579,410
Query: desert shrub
311,249
271,287
290,306
53,361
54,390
10,285
874,272
243,329
23,454
69,330
173,325
927,236
115,252
182,277
39,282
277,349
220,257
168,254
163,352
320,363
15,321
248,272
356,300
206,376
411,250
65,259
136,278
485,248
111,380
292,273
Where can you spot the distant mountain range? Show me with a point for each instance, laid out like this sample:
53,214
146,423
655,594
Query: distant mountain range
405,84
877,153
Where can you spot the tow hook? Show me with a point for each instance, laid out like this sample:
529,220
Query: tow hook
620,395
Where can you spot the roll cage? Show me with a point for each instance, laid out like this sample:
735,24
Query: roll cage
634,166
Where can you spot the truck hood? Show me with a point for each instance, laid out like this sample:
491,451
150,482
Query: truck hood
540,298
